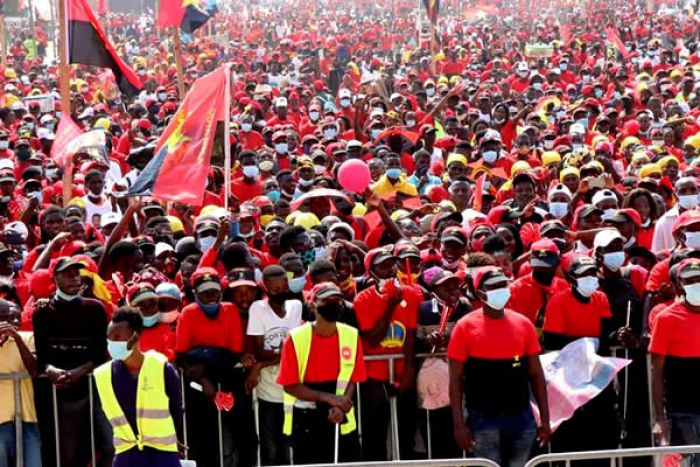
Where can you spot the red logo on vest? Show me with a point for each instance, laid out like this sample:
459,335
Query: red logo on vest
346,353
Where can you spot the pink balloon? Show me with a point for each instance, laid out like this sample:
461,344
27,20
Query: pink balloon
354,175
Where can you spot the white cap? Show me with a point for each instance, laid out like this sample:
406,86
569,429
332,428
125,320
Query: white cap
45,133
396,95
523,66
353,143
110,218
491,135
6,164
344,93
602,195
88,112
605,237
19,227
46,118
281,102
162,248
559,188
577,128
376,114
343,226
10,87
17,106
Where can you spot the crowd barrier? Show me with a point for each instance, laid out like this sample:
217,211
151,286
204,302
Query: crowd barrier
614,455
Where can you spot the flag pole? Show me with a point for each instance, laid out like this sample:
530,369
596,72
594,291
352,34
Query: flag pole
175,34
64,89
432,45
3,49
227,137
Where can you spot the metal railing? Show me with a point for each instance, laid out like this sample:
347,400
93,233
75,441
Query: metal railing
614,455
16,387
415,463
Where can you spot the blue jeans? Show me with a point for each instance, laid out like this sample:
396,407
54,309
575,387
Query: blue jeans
505,438
31,446
685,430
274,446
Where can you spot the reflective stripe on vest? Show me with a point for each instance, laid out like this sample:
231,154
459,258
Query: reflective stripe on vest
347,351
153,420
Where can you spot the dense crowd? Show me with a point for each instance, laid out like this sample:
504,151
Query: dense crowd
533,181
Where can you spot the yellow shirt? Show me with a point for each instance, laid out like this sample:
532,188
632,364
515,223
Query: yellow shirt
383,187
11,362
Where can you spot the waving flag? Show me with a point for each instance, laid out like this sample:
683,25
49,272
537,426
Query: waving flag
433,8
188,15
614,38
180,166
66,132
88,44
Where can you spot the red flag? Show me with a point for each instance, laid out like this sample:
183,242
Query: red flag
101,7
188,15
184,149
66,132
614,38
479,193
565,33
170,13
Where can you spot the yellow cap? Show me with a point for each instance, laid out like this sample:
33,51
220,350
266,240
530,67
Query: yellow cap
306,220
648,170
454,157
569,171
359,209
630,140
664,161
519,166
77,201
175,224
208,210
693,141
676,73
551,157
103,123
639,157
10,74
398,214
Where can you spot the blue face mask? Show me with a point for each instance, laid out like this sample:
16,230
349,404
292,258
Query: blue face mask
393,173
274,195
597,93
584,122
297,284
119,350
64,296
150,321
208,309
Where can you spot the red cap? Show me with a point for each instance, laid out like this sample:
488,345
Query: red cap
687,218
484,273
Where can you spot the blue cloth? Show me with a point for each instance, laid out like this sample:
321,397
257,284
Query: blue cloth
432,180
31,445
125,388
505,438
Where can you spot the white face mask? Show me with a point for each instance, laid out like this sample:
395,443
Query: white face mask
489,156
498,298
345,103
281,148
168,317
319,169
206,242
608,213
548,144
688,201
246,127
313,116
692,240
304,182
614,260
558,210
330,132
430,92
587,285
410,123
4,144
659,143
692,294
251,171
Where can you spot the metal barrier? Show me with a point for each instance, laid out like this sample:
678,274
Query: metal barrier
56,423
17,389
418,463
614,455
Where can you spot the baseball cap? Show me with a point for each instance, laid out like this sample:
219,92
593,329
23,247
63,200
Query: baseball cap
442,276
689,217
168,289
488,275
324,290
206,278
689,268
589,209
205,226
453,234
552,226
582,264
622,216
139,292
605,237
544,253
162,247
281,102
110,218
63,263
376,256
239,277
404,251
602,195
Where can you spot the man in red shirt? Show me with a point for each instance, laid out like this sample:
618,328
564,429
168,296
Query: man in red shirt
155,335
494,362
248,186
387,315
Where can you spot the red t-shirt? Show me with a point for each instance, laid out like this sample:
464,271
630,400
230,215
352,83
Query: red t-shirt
369,307
528,297
244,191
567,316
323,365
196,329
159,338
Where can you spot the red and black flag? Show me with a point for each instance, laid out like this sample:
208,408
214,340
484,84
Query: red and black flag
188,15
88,45
433,8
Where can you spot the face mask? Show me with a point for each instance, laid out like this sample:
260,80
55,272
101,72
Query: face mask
23,153
586,78
330,312
251,171
50,126
374,133
583,122
118,350
297,284
587,285
608,213
598,93
393,173
314,116
39,195
430,92
576,146
319,169
537,86
692,240
329,133
489,156
208,309
246,127
614,261
320,253
266,166
688,201
523,74
52,173
162,96
308,257
410,123
659,143
205,243
304,182
558,210
345,103
548,144
274,195
281,148
4,144
65,297
150,321
168,317
563,66
498,298
692,294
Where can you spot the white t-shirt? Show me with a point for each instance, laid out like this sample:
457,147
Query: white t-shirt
94,212
262,321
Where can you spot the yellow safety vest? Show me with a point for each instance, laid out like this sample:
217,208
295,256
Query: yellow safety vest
153,420
347,340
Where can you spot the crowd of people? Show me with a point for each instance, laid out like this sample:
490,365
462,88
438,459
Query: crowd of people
534,180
